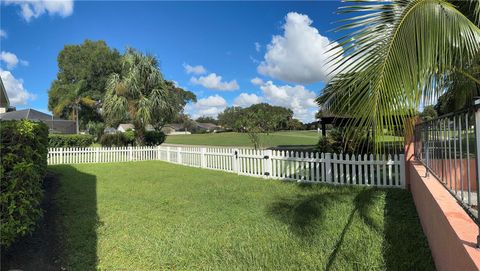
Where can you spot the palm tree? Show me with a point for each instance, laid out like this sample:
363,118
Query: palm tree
396,55
136,94
72,102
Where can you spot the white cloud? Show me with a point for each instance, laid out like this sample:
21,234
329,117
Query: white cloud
3,34
30,9
214,81
199,69
297,98
258,46
11,60
257,81
16,92
301,55
210,107
246,100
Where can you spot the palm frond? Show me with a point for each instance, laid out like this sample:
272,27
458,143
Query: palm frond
395,56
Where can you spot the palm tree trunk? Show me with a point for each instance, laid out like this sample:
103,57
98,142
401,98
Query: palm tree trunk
76,121
139,134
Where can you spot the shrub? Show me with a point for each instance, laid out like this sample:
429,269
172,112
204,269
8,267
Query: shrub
154,138
96,129
65,141
337,141
129,136
117,140
23,166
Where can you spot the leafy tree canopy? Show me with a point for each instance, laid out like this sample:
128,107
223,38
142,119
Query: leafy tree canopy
140,95
82,74
205,119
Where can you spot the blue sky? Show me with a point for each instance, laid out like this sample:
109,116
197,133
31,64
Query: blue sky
228,53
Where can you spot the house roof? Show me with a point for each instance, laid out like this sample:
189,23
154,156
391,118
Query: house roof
126,126
206,125
28,114
176,126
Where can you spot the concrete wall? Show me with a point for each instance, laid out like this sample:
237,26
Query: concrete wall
451,233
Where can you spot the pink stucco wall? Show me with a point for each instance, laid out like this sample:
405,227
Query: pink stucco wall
447,170
451,233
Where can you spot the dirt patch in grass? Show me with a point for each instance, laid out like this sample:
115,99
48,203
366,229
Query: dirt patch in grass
40,250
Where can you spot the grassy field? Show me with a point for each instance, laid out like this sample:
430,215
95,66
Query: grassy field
157,216
284,138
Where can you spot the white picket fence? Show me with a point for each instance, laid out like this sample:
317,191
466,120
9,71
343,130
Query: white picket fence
372,170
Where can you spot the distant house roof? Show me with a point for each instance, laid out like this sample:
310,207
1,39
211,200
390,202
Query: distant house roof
4,101
175,126
207,126
55,125
126,126
27,114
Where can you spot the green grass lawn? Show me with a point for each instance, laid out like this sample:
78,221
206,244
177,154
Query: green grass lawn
154,216
283,138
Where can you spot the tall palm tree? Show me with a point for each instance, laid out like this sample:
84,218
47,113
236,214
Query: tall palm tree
396,55
136,93
72,102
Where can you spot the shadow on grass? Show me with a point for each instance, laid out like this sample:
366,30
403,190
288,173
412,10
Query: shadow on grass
405,246
66,236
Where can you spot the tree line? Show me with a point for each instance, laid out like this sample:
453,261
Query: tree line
99,87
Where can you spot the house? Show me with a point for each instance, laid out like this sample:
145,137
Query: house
128,126
110,131
174,129
208,127
125,127
55,125
4,101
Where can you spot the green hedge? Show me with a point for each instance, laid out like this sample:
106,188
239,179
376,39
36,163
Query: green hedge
23,166
154,138
115,140
65,141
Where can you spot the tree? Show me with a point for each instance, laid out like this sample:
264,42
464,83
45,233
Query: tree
397,55
261,119
229,118
205,119
177,98
137,93
72,101
428,113
460,90
294,124
83,72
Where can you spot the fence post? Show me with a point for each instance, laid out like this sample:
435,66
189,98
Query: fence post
477,137
168,154
328,167
403,172
235,166
97,155
179,155
130,156
267,163
61,155
203,161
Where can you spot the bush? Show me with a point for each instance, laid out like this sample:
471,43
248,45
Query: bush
129,136
154,138
96,129
24,152
115,140
337,141
65,141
